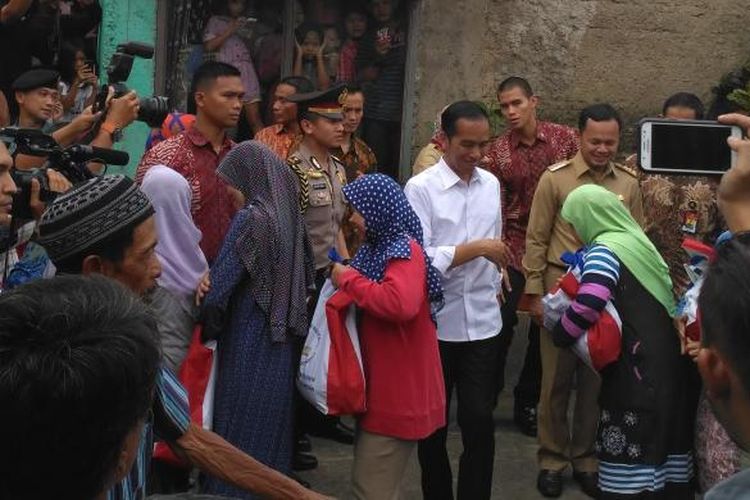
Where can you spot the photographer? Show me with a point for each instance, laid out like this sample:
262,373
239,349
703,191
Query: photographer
36,93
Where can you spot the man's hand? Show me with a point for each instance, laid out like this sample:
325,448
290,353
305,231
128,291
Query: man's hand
505,287
495,251
83,122
536,309
57,184
123,110
734,189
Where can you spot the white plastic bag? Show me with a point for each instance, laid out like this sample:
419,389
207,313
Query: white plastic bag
330,375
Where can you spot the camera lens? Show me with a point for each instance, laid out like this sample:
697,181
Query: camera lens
153,110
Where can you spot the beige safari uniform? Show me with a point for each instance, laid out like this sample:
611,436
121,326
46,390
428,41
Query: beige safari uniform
321,200
547,237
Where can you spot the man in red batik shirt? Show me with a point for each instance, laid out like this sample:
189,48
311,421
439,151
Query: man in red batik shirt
196,153
518,158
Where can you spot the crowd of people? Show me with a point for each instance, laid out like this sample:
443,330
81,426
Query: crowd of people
234,240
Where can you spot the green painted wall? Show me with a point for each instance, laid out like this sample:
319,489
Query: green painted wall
130,20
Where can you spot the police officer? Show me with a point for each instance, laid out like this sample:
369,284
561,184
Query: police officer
321,176
547,237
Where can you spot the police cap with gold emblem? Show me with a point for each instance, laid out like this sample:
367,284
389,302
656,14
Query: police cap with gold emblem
327,103
37,79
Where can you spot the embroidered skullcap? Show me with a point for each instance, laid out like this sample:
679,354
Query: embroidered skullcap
91,212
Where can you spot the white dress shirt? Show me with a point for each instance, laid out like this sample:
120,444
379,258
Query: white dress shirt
453,213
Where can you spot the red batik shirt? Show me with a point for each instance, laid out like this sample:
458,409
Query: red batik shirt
518,167
191,155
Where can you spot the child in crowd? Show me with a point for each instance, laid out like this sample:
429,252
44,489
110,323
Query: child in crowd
225,36
309,60
355,25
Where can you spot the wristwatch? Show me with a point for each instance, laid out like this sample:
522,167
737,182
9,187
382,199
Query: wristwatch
113,130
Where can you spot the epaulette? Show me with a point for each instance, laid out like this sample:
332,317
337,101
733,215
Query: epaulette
557,166
341,170
304,185
628,170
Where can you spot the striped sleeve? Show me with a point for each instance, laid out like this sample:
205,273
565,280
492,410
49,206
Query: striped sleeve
171,408
601,272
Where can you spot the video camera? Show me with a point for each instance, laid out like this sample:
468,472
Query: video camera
153,110
70,162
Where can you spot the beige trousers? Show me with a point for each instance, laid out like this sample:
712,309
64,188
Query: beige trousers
379,465
559,444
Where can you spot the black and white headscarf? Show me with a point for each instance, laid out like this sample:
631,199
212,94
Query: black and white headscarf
273,245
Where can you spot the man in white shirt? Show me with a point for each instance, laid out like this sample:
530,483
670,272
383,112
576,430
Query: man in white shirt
459,207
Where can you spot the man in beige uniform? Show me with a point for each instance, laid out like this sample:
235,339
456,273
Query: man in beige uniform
321,176
548,236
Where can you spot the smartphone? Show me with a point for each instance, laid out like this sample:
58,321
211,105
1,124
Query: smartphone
685,147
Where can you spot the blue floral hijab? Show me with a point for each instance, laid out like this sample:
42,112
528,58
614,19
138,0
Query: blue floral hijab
390,224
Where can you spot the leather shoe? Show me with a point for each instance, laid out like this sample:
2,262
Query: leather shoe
549,483
303,444
589,482
525,419
304,461
335,431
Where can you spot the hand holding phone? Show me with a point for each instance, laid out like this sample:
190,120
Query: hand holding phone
734,189
686,147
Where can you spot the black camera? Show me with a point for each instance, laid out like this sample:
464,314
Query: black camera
153,110
70,162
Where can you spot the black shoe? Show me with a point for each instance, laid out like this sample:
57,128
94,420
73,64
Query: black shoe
303,444
589,482
549,483
301,481
525,419
335,431
304,461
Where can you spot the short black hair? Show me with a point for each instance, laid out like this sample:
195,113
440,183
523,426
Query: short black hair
354,88
602,112
724,305
685,100
303,29
112,248
78,363
209,72
301,84
516,82
467,110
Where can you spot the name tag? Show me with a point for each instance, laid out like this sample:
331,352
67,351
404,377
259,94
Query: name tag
320,193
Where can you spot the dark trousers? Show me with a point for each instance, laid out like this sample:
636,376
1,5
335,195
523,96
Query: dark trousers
384,138
529,384
471,368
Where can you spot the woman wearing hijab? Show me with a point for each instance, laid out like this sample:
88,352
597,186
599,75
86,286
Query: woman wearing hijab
645,429
183,265
256,309
393,284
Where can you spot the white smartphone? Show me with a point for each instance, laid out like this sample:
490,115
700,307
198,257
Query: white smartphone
685,147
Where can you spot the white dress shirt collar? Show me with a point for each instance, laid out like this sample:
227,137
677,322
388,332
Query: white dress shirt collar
449,178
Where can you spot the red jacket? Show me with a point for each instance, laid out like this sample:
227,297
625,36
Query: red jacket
405,387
